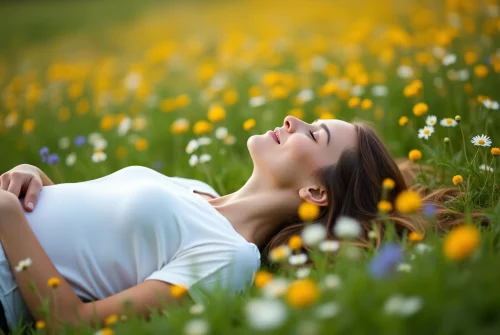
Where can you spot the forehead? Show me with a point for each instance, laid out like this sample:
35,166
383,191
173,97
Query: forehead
343,135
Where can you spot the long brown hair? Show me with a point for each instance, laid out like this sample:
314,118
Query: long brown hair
354,188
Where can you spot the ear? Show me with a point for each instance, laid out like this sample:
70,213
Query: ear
314,194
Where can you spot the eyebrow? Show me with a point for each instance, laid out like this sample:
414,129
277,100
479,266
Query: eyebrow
322,125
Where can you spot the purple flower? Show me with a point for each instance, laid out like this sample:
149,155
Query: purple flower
429,210
158,165
43,154
386,261
53,159
79,141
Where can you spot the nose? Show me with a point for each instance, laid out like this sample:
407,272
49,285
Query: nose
291,123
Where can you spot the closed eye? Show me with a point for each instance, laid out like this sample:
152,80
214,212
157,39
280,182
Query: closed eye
312,135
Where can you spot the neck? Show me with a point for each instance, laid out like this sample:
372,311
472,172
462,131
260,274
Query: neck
257,209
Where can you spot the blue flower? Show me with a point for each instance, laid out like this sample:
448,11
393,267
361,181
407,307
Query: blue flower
429,210
79,141
53,159
386,261
43,154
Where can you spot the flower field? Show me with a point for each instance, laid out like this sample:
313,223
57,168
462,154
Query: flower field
87,88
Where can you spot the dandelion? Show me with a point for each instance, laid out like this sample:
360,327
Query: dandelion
54,282
481,141
490,104
366,104
111,320
420,109
431,120
216,113
299,259
458,179
40,324
448,122
346,227
28,125
99,156
415,237
415,155
197,309
313,234
388,183
192,146
302,293
221,133
495,151
403,120
193,160
461,242
385,262
178,291
261,278
23,265
295,242
327,310
303,272
353,102
279,253
408,201
104,331
384,206
249,124
401,306
329,246
265,314
425,132
308,211
481,71
204,158
202,127
141,144
196,327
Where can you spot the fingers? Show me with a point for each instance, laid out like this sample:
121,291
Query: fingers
34,188
4,182
16,183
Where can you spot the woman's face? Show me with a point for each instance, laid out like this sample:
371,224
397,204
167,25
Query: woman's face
296,156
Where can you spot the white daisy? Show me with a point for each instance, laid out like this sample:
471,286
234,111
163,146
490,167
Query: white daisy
197,309
23,265
329,246
193,160
196,327
275,288
124,126
327,310
490,104
405,72
449,59
431,120
422,248
265,314
402,306
99,156
257,101
71,159
298,259
305,95
64,143
303,273
100,144
485,168
230,140
347,227
425,132
221,133
331,281
404,267
205,158
448,122
204,140
481,141
313,234
133,80
380,90
192,146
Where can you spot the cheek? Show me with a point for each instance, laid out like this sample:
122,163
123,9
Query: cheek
300,153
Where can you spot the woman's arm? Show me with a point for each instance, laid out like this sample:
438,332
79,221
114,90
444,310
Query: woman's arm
19,242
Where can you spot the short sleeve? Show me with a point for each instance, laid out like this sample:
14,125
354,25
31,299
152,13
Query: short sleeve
203,268
196,185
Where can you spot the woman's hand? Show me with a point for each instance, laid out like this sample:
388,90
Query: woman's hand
24,179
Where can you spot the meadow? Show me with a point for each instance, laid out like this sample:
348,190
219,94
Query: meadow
87,88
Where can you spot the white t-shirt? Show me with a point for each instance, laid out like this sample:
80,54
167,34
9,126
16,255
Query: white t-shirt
111,233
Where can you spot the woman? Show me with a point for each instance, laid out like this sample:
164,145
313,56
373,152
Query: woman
132,235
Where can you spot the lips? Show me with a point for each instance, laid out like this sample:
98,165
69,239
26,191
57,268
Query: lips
274,136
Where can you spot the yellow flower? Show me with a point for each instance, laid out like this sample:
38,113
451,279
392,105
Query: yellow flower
182,100
403,120
415,237
461,242
40,324
141,144
249,124
121,152
279,92
495,151
480,71
302,293
216,113
308,211
178,291
168,105
297,112
107,122
261,278
353,102
105,331
279,253
254,91
408,201
28,125
384,206
82,106
420,109
415,155
295,242
366,104
54,282
470,57
202,127
458,179
326,116
388,183
230,97
75,90
179,126
63,114
111,320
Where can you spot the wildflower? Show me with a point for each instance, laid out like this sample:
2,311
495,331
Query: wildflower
216,113
420,109
485,168
373,235
429,209
308,211
104,331
100,144
53,159
401,306
458,179
302,293
346,227
202,127
279,253
403,120
40,324
295,242
404,267
196,327
458,118
275,288
313,234
297,112
179,126
192,146
307,327
353,102
221,133
380,90
386,261
193,160
141,144
230,140
261,278
461,242
446,140
481,71
197,309
422,248
23,265
178,291
366,104
495,151
490,104
230,97
299,259
408,201
79,141
481,141
107,122
415,237
431,120
415,155
329,246
265,314
327,310
44,152
425,132
448,122
257,101
28,125
111,320
249,124
384,206
54,282
306,95
99,156
205,158
331,281
449,59
388,183
303,272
